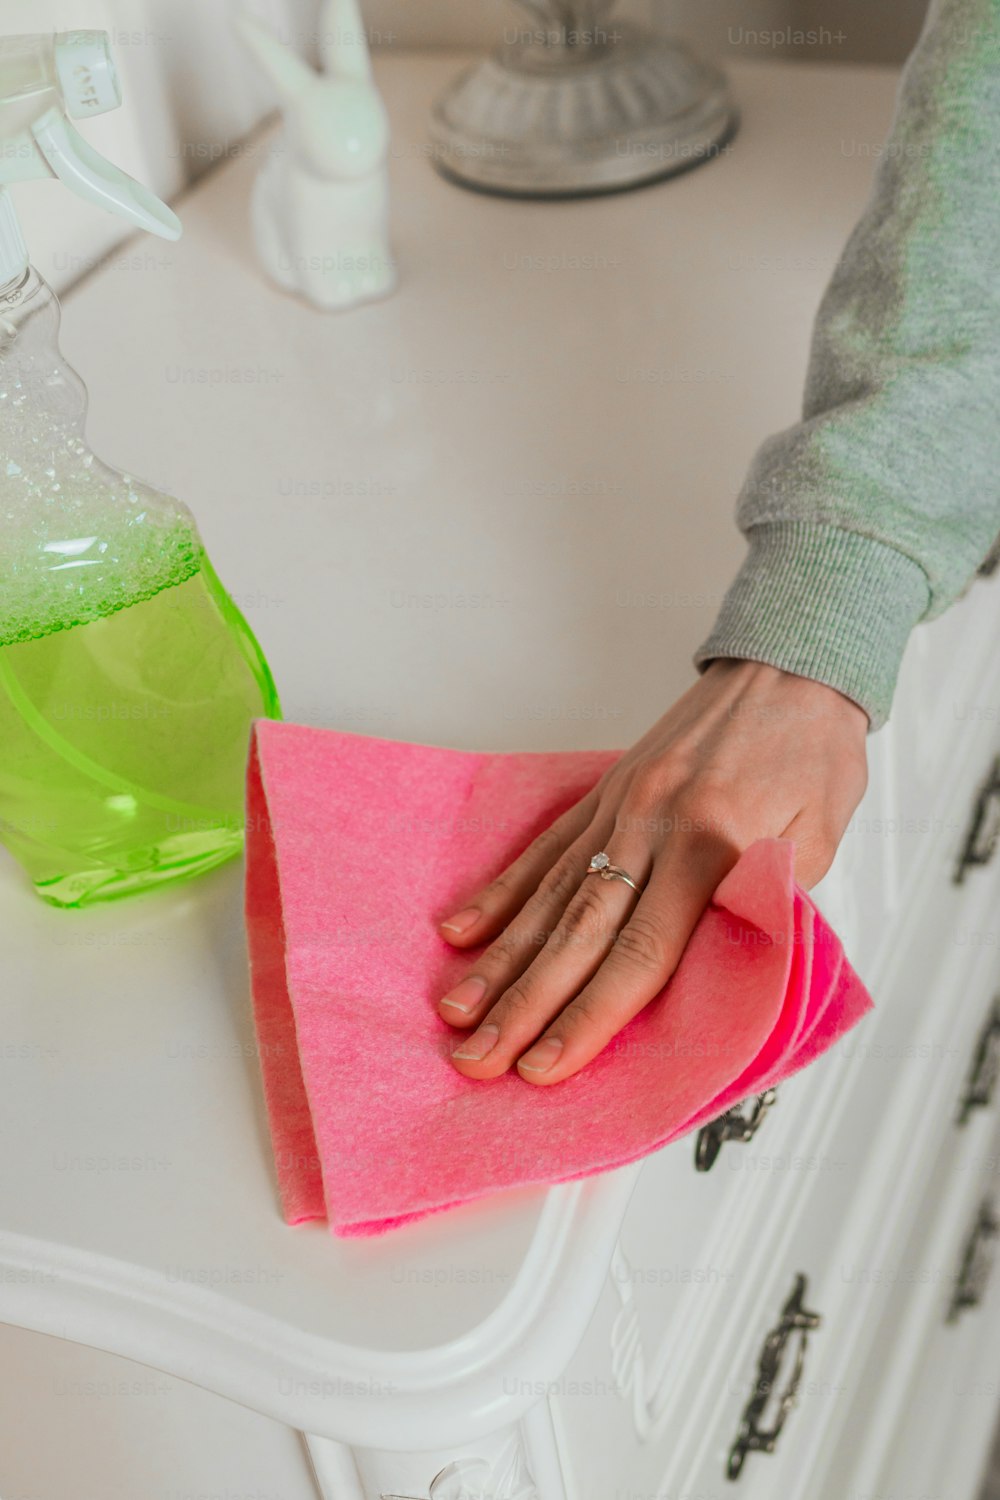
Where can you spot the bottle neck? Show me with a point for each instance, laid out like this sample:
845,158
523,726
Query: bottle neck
23,291
26,299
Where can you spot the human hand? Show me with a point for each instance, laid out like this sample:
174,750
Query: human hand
748,752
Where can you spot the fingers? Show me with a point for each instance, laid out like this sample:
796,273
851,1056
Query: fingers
648,950
748,752
522,939
510,1013
490,908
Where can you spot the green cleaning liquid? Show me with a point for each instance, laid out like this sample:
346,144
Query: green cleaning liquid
128,678
124,741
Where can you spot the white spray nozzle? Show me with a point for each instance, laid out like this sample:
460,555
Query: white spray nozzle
93,177
45,81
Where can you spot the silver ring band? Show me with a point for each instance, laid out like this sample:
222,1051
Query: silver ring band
600,864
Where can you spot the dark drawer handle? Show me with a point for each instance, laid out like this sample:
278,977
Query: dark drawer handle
752,1437
732,1126
978,1257
983,834
985,1069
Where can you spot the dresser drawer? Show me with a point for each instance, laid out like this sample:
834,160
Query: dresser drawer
898,851
829,1186
946,726
948,686
951,1408
817,1332
902,852
917,1263
933,1157
924,1409
927,772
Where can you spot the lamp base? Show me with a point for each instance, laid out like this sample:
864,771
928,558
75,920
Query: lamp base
540,120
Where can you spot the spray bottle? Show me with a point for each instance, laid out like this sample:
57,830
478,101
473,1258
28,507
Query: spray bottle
128,678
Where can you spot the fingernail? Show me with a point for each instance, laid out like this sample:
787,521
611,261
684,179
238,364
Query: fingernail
475,1047
542,1055
462,920
467,995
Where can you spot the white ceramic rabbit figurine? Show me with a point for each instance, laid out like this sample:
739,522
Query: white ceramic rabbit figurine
320,204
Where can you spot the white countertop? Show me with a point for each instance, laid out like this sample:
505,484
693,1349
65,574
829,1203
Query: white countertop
494,511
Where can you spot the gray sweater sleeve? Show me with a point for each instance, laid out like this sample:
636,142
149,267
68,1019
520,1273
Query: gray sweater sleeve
877,508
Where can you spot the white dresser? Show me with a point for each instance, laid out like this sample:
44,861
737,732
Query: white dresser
496,512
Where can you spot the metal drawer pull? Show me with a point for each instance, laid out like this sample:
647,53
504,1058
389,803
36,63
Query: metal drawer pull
977,1262
985,1069
752,1437
984,827
732,1126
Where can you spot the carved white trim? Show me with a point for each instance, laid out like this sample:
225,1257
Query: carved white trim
628,1357
504,1478
417,1398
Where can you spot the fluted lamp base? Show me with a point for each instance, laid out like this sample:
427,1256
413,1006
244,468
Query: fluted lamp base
538,120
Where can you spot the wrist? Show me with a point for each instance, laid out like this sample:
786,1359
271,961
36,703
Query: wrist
745,675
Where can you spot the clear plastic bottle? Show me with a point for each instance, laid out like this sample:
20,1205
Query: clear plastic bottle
128,678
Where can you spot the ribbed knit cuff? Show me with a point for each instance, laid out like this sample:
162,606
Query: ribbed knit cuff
822,602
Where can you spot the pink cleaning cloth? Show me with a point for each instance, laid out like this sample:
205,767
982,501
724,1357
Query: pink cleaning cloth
356,848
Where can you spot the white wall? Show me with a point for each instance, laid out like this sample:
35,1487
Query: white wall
190,94
851,30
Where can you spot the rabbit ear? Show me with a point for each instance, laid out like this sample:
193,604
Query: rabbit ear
343,45
286,70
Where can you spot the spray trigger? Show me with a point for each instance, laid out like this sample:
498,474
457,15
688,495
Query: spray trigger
88,173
